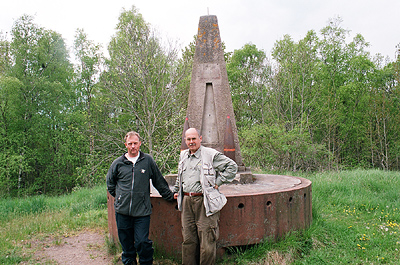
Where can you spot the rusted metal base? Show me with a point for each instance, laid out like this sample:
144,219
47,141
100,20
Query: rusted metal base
269,207
112,224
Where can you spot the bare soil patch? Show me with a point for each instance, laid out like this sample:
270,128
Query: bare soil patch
84,247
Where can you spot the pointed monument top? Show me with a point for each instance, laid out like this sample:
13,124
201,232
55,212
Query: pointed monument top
208,45
210,101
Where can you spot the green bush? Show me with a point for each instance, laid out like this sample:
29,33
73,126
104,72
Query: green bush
273,147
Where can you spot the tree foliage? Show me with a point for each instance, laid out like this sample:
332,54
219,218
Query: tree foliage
249,74
37,108
331,105
90,63
143,84
318,103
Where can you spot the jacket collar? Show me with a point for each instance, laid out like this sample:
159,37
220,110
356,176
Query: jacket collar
141,156
197,153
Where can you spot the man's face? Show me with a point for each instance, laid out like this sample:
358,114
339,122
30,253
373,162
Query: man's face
193,140
133,145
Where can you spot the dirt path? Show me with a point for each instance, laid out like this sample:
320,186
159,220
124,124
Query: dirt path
85,247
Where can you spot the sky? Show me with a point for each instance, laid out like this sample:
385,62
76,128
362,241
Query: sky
260,22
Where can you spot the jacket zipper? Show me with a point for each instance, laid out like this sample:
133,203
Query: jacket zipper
133,179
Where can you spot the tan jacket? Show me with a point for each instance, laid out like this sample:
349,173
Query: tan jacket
209,177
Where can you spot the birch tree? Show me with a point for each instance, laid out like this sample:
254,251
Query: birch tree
142,78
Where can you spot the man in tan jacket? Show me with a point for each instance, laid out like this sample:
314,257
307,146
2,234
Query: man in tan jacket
201,171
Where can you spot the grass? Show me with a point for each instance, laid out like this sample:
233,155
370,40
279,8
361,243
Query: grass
356,220
24,220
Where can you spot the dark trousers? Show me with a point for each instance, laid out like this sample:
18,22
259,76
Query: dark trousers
133,233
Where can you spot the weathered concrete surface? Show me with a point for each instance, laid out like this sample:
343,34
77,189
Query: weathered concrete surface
210,102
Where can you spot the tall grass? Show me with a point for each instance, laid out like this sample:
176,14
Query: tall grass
24,220
356,220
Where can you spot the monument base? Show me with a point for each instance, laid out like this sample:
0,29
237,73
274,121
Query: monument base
268,207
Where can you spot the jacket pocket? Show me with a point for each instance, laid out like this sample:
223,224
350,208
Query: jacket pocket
209,174
215,199
122,202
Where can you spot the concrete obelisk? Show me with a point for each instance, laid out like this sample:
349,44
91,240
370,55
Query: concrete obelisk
260,206
210,103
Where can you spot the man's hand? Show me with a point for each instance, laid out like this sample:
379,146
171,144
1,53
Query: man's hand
175,196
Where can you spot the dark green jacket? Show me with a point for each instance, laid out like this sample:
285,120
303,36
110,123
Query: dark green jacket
133,198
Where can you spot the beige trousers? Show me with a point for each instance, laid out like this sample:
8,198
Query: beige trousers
200,233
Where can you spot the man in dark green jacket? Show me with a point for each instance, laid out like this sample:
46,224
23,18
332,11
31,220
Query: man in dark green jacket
128,180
